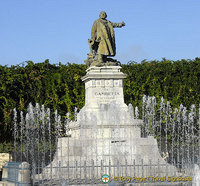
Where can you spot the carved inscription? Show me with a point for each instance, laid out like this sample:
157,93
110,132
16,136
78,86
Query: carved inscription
104,97
107,94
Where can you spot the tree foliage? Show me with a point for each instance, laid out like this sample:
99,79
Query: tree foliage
176,81
60,87
56,86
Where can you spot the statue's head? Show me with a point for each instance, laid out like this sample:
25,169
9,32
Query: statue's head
102,15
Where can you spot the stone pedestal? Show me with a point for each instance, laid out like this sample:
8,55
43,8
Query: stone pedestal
103,85
104,98
105,129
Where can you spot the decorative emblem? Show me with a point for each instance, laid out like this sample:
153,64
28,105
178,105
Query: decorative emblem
105,178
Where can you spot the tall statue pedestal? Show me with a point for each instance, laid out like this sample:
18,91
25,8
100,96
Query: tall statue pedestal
105,128
103,85
105,133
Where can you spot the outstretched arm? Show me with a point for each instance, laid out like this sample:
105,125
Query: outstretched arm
118,24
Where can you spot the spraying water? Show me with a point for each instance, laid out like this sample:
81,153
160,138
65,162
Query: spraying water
38,136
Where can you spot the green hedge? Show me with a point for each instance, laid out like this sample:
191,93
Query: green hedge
176,81
60,87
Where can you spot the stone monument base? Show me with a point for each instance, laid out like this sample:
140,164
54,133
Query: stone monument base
106,134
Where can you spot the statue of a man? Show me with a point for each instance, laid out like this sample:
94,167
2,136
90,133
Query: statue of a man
102,42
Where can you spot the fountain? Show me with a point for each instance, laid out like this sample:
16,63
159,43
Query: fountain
106,136
196,176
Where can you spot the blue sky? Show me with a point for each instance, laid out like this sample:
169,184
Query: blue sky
58,30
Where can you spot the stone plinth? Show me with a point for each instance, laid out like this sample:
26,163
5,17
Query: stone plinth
105,129
103,85
103,94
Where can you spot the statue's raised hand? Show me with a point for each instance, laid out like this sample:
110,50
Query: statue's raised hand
122,23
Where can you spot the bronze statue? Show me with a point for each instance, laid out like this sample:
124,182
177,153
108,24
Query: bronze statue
102,42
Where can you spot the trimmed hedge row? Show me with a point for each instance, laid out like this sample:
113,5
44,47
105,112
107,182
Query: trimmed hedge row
60,87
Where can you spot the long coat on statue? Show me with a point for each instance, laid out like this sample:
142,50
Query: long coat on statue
103,32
